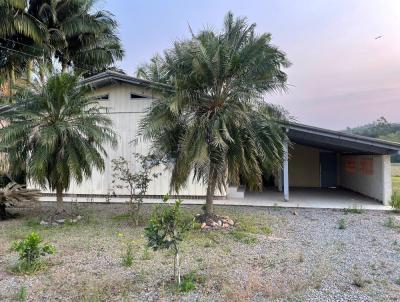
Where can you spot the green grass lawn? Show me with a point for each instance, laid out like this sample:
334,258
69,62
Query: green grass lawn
396,184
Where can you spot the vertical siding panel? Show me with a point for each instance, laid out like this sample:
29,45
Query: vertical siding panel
126,114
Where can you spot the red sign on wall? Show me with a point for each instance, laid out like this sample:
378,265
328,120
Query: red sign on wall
366,166
350,164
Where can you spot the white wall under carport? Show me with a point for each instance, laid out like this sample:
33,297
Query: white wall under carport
367,174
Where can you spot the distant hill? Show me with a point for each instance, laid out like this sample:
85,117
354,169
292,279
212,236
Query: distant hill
382,129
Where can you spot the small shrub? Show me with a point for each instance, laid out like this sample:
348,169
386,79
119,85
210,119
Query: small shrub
395,202
166,229
135,181
21,294
397,281
342,224
30,250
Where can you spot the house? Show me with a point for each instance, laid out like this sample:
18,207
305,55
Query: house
316,158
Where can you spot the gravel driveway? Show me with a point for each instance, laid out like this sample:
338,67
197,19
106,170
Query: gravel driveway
311,255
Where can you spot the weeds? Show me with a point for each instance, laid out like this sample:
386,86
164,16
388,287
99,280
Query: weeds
189,282
127,254
146,254
243,237
354,209
395,202
342,224
127,257
266,230
390,222
21,294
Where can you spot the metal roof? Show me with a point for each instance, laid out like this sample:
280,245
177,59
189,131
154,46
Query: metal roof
339,141
298,133
111,77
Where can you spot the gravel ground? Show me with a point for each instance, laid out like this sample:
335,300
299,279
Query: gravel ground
305,258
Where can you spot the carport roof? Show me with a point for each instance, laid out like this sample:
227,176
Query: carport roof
339,141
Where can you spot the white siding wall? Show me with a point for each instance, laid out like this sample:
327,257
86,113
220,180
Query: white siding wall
367,174
126,114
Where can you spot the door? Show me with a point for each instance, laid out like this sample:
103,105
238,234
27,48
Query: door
328,169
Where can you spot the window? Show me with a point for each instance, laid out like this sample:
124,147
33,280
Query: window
103,97
137,96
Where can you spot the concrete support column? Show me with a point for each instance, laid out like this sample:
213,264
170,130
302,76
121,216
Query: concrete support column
286,172
386,179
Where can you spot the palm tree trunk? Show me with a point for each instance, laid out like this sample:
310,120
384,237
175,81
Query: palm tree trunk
59,194
212,182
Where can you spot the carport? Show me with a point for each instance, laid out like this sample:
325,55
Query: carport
326,159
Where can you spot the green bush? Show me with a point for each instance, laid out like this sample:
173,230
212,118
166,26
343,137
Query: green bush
30,251
395,202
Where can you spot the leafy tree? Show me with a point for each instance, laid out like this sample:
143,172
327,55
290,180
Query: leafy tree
166,230
79,35
381,129
58,133
212,120
135,181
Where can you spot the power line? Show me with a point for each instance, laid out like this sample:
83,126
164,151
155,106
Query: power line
23,44
38,57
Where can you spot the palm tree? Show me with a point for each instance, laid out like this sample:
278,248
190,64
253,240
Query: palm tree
16,194
20,32
213,121
58,132
80,36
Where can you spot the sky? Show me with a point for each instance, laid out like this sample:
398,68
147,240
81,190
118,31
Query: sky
341,74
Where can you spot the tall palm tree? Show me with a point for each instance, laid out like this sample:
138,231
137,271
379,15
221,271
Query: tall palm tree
20,32
213,121
80,36
58,133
